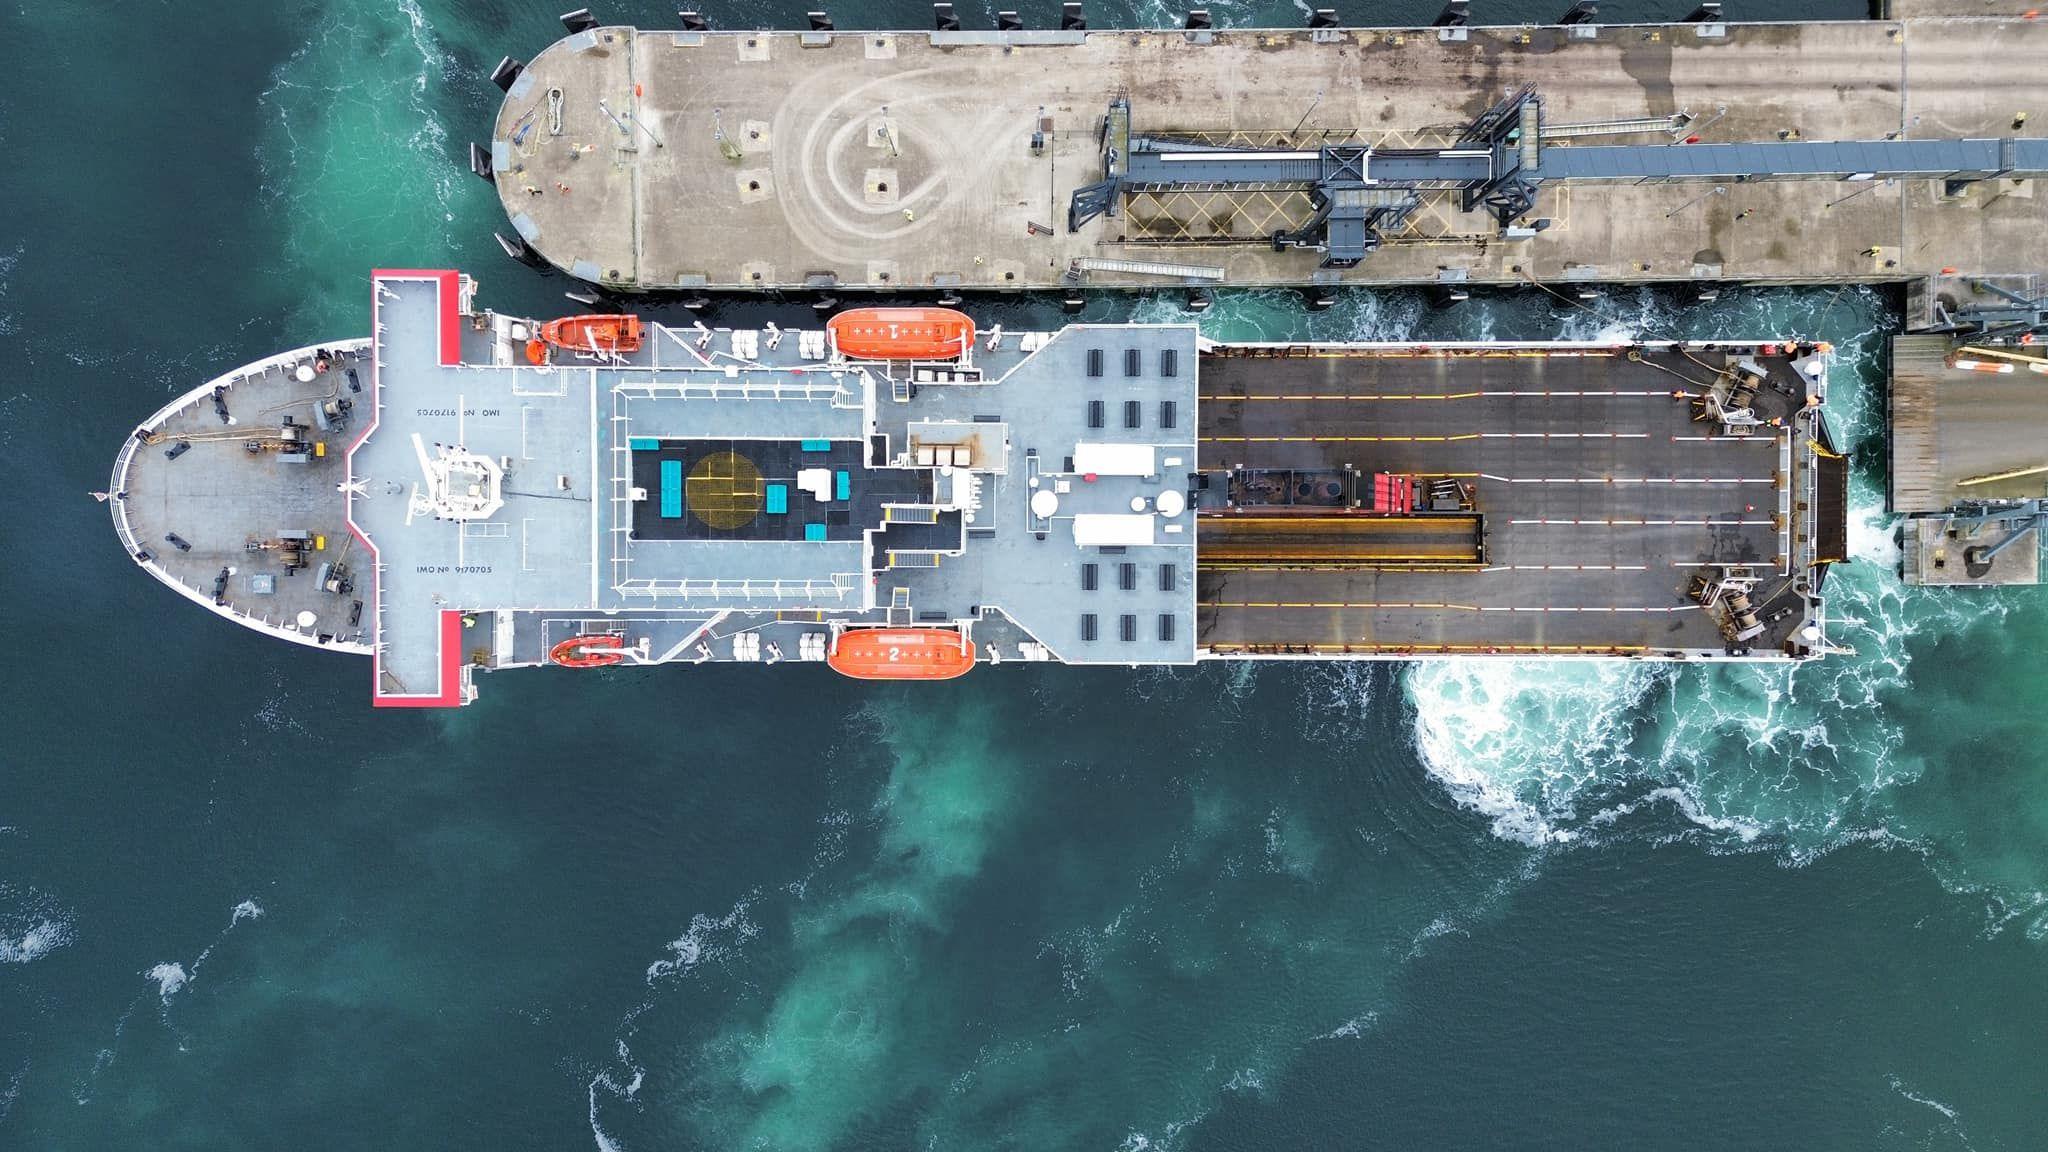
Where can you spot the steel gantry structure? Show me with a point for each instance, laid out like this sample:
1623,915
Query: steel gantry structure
1499,163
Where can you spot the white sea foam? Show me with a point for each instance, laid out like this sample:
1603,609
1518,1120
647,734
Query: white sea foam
707,938
1900,1087
276,714
13,1091
32,925
7,266
169,976
604,1141
1517,742
1357,1026
1335,697
246,910
36,941
1951,1120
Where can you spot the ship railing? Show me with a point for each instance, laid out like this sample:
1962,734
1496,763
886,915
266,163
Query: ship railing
747,386
125,459
1797,469
834,591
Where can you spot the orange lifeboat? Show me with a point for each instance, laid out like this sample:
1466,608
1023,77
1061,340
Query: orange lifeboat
588,651
589,334
901,654
902,333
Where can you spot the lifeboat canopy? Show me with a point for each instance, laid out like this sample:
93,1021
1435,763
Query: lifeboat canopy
902,333
608,334
588,651
901,654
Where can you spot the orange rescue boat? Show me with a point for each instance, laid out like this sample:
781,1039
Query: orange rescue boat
608,334
588,651
901,654
902,333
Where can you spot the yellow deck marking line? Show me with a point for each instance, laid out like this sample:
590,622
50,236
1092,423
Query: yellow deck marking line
1442,569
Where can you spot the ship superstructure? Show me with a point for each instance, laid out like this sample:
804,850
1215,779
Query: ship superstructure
900,495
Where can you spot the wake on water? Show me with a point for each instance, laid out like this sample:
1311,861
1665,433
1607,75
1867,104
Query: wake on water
1746,757
1736,757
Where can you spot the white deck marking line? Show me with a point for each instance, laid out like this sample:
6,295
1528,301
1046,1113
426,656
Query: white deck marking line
1614,523
1226,397
1571,568
1566,435
1390,605
1626,479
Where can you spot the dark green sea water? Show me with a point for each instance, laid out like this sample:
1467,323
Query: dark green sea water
1567,906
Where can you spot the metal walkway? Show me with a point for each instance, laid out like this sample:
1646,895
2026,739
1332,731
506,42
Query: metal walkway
1500,163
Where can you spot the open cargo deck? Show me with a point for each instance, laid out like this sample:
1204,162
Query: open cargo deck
1604,496
459,493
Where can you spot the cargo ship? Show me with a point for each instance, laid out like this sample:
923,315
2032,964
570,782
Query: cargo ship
902,495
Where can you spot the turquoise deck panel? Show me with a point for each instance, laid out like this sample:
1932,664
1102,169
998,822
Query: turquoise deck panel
671,489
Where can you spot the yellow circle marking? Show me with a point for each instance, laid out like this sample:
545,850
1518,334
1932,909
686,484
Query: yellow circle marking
724,490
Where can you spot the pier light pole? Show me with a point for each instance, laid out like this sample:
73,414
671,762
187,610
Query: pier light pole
629,118
1873,185
1305,115
1716,190
726,147
889,134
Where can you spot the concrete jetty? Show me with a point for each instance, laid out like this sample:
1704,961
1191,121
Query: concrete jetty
697,159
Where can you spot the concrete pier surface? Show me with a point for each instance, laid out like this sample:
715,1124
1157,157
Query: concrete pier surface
1962,435
643,160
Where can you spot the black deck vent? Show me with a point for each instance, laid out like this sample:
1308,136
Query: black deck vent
1094,418
1095,361
1169,362
1169,576
1088,626
1134,414
1166,627
1133,362
1169,413
1127,576
1089,577
1127,627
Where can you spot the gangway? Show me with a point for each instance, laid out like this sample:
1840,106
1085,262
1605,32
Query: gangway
1149,268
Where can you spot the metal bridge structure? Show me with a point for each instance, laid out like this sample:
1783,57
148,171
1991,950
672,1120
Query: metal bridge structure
1350,196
